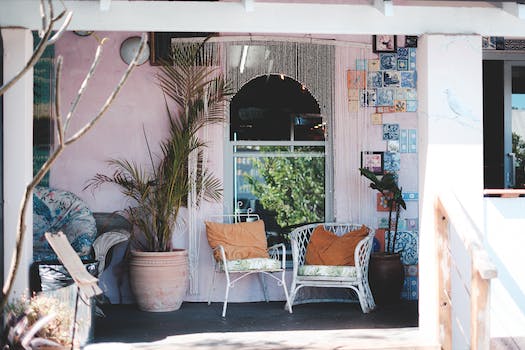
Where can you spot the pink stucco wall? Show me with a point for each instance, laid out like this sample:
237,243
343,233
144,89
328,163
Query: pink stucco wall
119,133
141,105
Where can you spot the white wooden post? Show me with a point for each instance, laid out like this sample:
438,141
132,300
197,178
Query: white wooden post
17,150
450,147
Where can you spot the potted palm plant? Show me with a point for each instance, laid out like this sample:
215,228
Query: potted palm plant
386,272
158,272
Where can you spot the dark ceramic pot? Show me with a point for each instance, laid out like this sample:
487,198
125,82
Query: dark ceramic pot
386,275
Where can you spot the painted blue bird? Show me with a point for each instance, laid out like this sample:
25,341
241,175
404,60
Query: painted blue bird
459,108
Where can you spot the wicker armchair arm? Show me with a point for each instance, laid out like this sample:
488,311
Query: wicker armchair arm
104,243
362,253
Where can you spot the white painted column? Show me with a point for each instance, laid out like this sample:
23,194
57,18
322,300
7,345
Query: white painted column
451,146
18,152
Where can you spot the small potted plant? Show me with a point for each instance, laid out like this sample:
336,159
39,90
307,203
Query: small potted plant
386,272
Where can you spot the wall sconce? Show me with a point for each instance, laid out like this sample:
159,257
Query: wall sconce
129,48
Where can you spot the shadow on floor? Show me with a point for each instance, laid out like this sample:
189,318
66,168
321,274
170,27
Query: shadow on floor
127,323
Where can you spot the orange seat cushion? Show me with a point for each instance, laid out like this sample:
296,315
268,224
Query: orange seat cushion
243,240
326,248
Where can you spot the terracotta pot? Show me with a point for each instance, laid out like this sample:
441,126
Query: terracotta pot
159,280
386,275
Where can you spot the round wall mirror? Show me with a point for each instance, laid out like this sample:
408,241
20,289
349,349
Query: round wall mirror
129,48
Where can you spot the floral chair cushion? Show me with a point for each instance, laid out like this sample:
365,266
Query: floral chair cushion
328,271
57,210
253,264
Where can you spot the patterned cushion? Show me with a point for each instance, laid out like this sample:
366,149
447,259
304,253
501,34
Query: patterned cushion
57,210
328,271
253,264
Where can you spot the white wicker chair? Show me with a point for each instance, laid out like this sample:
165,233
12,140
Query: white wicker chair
245,267
353,277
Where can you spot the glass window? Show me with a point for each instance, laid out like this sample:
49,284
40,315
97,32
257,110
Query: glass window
277,135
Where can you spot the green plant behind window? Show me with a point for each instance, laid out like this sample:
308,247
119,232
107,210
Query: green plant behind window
293,188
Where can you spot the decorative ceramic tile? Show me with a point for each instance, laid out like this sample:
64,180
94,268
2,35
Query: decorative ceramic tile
385,96
386,109
400,106
377,118
412,141
391,132
407,245
412,224
411,270
401,94
411,41
392,145
408,79
381,203
411,106
356,79
403,141
411,94
412,58
392,162
353,94
410,196
353,105
387,61
368,98
402,226
402,52
391,78
375,80
382,222
410,288
360,64
402,64
373,65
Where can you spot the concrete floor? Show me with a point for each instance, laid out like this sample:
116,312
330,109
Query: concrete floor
193,323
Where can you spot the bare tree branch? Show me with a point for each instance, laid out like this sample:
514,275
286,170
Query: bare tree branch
62,29
21,228
84,84
42,45
58,96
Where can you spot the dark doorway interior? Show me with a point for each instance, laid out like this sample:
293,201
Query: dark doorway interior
493,124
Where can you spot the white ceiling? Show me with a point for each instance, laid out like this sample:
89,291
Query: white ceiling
271,16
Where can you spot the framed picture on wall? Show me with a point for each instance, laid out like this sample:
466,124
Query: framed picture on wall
373,161
384,43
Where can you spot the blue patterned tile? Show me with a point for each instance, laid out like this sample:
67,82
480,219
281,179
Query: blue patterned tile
410,289
407,245
390,132
403,141
412,141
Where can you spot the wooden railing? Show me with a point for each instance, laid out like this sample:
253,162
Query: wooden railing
465,272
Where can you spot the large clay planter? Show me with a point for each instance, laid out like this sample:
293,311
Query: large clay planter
159,280
386,275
